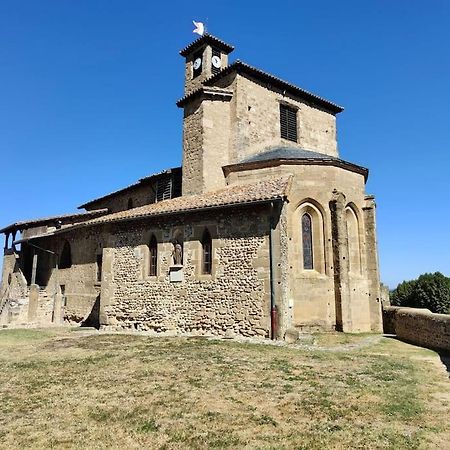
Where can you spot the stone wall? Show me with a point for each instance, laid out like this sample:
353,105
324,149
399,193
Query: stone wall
258,121
217,133
193,148
234,299
418,326
312,293
79,282
140,195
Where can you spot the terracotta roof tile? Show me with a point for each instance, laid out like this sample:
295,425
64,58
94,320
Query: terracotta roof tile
25,224
261,191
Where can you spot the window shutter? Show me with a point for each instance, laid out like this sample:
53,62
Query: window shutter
288,123
164,189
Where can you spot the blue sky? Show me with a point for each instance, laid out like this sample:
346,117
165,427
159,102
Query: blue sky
88,91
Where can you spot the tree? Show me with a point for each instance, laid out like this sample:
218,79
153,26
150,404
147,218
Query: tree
430,290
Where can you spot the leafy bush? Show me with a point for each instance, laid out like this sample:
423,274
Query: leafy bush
430,290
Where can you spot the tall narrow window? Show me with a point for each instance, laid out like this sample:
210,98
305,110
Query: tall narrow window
164,188
288,123
206,253
65,261
307,242
153,257
130,203
99,267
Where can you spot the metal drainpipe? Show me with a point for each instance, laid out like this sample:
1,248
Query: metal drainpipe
273,306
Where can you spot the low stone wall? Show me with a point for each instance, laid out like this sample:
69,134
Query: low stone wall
418,326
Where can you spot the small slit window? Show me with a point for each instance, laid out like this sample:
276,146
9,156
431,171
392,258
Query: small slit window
99,267
206,253
153,247
288,123
65,260
130,203
307,240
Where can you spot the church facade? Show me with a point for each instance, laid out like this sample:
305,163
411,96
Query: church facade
263,231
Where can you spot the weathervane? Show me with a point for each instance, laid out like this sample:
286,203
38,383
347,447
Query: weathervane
199,28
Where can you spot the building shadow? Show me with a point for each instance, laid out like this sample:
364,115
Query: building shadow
93,319
445,359
444,356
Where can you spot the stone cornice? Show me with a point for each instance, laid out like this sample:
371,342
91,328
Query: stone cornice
240,167
204,92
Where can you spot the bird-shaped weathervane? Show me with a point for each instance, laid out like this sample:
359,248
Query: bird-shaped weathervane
199,28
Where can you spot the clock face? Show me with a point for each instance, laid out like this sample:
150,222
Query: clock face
216,62
197,63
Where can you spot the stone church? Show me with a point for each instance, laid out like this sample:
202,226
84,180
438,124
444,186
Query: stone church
263,231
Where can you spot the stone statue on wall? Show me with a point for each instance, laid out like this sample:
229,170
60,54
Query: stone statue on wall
177,254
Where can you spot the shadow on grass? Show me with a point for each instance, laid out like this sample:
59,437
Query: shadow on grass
445,359
444,356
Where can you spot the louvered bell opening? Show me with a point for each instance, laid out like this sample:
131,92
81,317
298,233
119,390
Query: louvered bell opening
288,123
164,189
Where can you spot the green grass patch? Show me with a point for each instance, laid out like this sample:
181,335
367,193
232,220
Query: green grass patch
134,391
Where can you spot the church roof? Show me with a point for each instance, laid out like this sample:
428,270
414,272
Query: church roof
293,155
258,192
287,153
64,218
243,68
140,182
207,39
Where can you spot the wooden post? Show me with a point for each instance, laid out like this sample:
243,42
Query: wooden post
33,270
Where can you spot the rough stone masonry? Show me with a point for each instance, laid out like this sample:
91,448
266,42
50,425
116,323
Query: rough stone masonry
273,231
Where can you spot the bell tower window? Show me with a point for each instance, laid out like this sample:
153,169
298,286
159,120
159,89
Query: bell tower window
197,64
216,61
288,123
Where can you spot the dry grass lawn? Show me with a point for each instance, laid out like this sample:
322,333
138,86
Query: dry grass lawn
69,389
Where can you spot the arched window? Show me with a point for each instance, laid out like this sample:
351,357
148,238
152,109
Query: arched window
130,203
65,260
206,253
307,241
153,247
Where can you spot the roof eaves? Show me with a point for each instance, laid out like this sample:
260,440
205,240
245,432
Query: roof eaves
331,161
174,212
240,66
277,191
205,92
207,39
26,224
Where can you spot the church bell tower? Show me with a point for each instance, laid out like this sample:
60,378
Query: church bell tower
205,57
206,116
